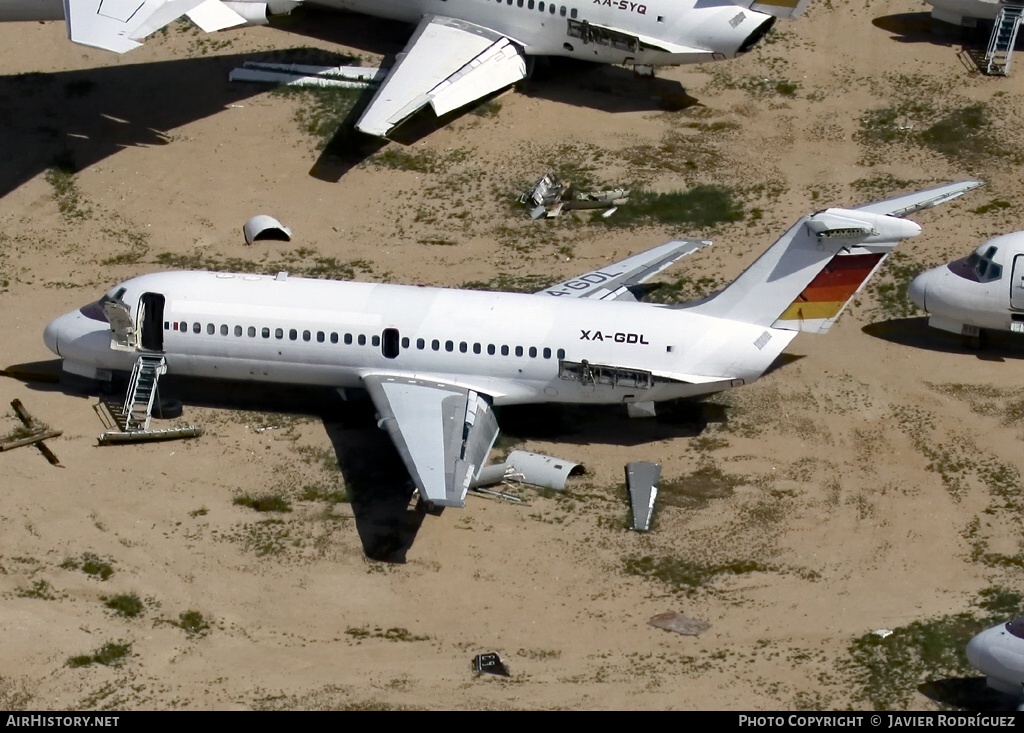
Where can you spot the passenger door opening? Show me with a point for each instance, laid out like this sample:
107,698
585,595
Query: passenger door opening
151,321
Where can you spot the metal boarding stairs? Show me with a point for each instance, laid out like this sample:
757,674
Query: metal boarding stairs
1004,36
142,391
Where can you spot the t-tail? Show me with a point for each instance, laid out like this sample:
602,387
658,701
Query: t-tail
806,279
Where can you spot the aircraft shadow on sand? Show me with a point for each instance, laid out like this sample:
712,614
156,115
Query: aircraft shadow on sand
75,119
378,484
916,333
922,28
967,693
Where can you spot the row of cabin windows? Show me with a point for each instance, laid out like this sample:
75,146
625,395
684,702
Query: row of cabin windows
552,8
435,345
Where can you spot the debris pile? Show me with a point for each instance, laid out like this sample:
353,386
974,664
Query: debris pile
34,434
550,197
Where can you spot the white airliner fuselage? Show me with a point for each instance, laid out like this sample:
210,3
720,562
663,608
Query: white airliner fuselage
507,345
692,32
695,31
982,291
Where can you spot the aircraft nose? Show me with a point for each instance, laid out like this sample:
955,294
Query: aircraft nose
918,290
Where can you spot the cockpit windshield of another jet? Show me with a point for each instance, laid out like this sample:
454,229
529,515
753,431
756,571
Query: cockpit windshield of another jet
983,291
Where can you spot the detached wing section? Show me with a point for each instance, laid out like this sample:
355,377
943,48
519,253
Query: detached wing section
443,432
447,64
614,281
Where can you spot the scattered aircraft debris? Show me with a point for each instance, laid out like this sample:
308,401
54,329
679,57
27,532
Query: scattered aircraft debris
305,75
525,467
38,432
263,226
641,480
490,663
882,633
680,624
550,197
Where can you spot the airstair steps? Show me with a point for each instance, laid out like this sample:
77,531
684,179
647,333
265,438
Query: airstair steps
1004,35
142,391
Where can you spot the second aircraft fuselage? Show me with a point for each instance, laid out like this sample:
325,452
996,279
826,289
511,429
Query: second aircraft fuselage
688,31
516,348
692,31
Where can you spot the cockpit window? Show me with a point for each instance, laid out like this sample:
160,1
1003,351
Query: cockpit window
1016,627
982,265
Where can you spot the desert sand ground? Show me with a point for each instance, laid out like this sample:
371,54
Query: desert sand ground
873,483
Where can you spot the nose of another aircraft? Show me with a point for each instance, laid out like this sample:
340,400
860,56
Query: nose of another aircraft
977,650
50,334
918,290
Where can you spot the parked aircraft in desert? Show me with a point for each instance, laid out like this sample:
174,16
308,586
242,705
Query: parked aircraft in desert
982,291
435,361
998,653
461,50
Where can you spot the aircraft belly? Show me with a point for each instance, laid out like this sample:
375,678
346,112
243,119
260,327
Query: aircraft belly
406,10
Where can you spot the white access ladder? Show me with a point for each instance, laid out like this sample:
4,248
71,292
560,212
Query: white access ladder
1004,36
142,391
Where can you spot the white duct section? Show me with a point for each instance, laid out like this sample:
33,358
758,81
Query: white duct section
529,468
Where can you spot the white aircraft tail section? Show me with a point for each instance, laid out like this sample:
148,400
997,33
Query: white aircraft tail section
805,280
121,25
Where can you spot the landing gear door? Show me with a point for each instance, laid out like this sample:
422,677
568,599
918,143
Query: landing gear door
123,336
1017,284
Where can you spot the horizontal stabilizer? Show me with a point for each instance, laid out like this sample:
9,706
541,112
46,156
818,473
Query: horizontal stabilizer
806,279
117,25
907,204
612,282
785,9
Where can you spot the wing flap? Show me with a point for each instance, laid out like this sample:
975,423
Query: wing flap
447,63
613,282
443,432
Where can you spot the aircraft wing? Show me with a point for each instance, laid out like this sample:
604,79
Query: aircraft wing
447,64
903,205
613,282
443,432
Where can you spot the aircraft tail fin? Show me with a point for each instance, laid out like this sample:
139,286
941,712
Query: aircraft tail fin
806,279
